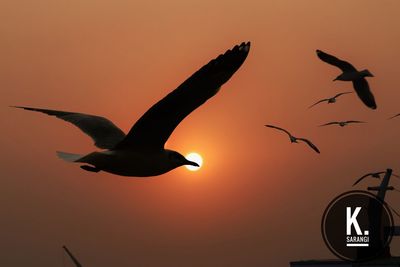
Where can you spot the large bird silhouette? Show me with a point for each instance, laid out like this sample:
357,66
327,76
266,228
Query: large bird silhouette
141,152
350,73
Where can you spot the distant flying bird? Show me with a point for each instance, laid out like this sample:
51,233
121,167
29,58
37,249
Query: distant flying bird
374,175
350,73
341,123
398,114
295,139
330,100
141,152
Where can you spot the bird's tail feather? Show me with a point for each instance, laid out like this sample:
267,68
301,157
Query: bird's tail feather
69,156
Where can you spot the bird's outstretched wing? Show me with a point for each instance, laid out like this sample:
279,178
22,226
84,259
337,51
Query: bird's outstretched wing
394,116
308,142
356,122
364,93
341,64
362,178
316,103
329,123
344,93
278,128
153,129
103,132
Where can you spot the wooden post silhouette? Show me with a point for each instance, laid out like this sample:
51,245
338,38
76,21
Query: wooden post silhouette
376,211
384,185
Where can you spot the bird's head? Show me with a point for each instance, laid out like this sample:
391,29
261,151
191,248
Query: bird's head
178,159
366,73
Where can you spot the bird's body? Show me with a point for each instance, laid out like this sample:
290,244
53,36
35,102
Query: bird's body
330,100
350,73
294,139
141,152
349,76
341,123
376,175
132,163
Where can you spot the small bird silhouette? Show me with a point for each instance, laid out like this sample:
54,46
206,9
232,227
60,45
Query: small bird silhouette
141,152
376,175
330,100
341,123
398,114
294,139
350,73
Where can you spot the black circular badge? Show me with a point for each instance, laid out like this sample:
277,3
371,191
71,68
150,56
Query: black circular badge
357,226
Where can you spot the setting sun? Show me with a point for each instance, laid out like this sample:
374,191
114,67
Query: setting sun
196,158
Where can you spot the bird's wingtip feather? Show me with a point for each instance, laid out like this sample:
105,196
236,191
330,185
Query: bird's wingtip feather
245,46
21,107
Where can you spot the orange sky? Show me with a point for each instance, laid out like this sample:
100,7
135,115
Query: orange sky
258,200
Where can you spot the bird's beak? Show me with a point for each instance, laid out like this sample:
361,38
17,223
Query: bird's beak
335,79
188,162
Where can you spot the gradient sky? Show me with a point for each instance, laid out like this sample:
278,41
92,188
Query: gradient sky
258,200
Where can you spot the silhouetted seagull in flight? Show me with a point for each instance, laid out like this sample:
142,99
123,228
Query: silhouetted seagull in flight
330,100
141,152
341,123
350,73
295,139
398,114
374,175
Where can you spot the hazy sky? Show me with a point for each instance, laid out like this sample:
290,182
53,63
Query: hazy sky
258,200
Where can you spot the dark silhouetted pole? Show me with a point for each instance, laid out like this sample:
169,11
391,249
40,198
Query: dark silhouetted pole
384,185
376,212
